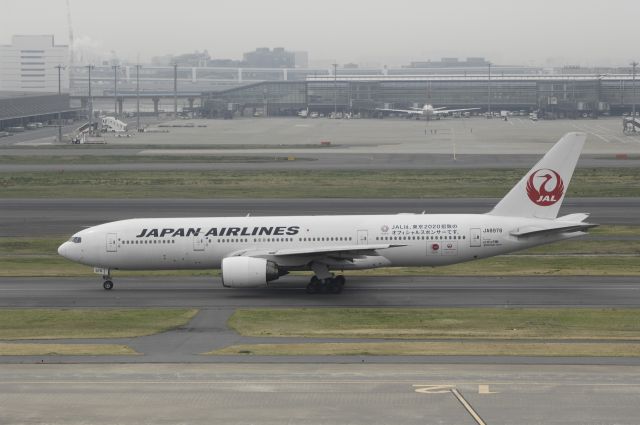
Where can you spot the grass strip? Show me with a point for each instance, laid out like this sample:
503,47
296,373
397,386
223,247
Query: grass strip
10,349
522,265
136,159
89,323
615,230
421,323
590,182
541,349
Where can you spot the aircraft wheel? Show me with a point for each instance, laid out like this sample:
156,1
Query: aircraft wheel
326,285
314,285
107,285
335,287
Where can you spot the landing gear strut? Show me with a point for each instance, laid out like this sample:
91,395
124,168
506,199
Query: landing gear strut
331,285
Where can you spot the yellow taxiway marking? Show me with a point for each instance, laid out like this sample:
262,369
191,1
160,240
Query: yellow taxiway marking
433,389
484,389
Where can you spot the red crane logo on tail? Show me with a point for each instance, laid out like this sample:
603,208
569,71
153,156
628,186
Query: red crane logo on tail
545,187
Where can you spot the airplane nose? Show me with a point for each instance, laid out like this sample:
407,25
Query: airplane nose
64,250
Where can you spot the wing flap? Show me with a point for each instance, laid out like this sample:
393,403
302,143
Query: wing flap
352,249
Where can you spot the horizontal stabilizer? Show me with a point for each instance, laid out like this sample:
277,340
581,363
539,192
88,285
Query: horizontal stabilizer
577,217
556,227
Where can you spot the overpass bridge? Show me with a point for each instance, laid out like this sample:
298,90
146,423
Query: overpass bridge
131,96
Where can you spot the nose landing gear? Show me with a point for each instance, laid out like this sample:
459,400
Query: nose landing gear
107,283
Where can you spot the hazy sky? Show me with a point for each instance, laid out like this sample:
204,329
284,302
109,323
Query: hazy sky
537,32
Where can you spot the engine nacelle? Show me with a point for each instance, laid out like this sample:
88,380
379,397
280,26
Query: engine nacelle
248,272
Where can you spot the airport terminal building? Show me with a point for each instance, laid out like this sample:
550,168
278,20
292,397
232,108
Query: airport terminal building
18,109
556,95
228,91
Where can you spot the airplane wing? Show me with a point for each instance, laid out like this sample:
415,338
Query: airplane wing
404,111
344,251
438,111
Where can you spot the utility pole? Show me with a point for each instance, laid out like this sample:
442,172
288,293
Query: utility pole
634,64
175,90
265,102
335,90
489,90
60,68
89,68
138,95
115,89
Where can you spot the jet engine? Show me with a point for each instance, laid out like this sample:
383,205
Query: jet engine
248,272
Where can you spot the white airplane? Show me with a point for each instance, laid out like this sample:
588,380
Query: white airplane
427,111
253,251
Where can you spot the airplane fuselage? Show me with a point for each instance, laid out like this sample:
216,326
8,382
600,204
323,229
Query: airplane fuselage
252,251
202,243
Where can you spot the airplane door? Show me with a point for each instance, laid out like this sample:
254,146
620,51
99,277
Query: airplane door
474,237
363,237
112,242
198,243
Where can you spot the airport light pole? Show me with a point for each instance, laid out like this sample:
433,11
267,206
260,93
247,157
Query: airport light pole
138,96
634,64
335,90
60,68
265,102
489,90
115,89
89,68
175,90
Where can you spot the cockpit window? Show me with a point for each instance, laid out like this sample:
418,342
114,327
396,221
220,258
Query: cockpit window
75,239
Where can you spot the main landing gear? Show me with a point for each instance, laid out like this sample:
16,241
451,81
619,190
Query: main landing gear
323,281
330,285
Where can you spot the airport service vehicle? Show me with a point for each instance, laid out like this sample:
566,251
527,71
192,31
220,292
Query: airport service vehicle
426,111
253,251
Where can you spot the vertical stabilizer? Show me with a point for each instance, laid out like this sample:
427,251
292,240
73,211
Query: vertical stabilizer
540,192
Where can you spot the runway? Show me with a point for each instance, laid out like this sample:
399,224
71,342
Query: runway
62,217
360,291
319,394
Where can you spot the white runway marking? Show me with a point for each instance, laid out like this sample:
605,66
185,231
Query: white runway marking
468,407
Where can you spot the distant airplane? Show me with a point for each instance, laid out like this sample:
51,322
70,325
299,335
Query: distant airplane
253,251
427,111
